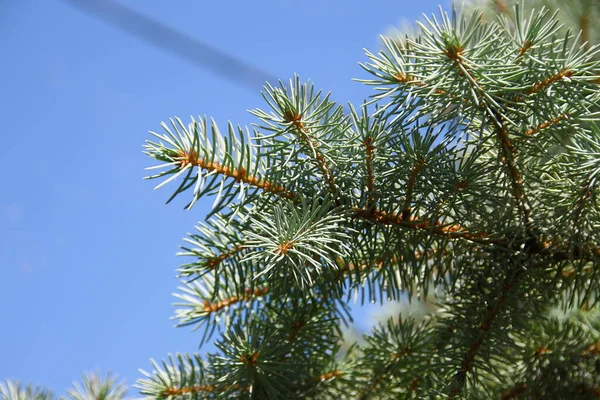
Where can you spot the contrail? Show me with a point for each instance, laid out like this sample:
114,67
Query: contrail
183,46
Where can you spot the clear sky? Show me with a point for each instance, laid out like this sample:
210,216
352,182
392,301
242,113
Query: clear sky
86,247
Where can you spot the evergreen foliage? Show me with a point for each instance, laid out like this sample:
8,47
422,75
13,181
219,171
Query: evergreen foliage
473,170
93,387
574,15
13,390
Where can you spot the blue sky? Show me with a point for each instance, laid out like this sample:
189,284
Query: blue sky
86,247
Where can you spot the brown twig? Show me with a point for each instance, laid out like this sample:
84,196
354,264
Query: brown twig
549,81
174,391
457,187
251,359
508,152
296,120
484,328
524,48
239,175
414,171
587,194
336,374
408,80
449,230
369,155
546,124
515,391
210,308
214,262
395,357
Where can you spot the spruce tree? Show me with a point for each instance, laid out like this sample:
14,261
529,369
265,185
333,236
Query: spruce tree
470,179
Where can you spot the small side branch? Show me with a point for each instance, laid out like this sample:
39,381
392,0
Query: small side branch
383,375
586,195
239,175
451,230
484,329
549,81
174,391
554,252
375,382
590,350
565,252
442,201
210,308
410,81
369,155
507,152
502,7
566,73
296,328
180,391
414,171
546,124
214,262
336,374
515,391
296,120
524,48
376,264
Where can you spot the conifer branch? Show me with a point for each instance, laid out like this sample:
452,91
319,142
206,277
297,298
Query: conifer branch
369,154
368,391
572,272
455,53
414,171
484,331
517,390
586,195
565,73
249,294
213,262
327,376
390,355
457,187
204,301
221,162
375,382
573,252
448,115
346,268
507,152
239,175
592,350
546,124
190,390
454,231
523,49
514,392
409,81
301,130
